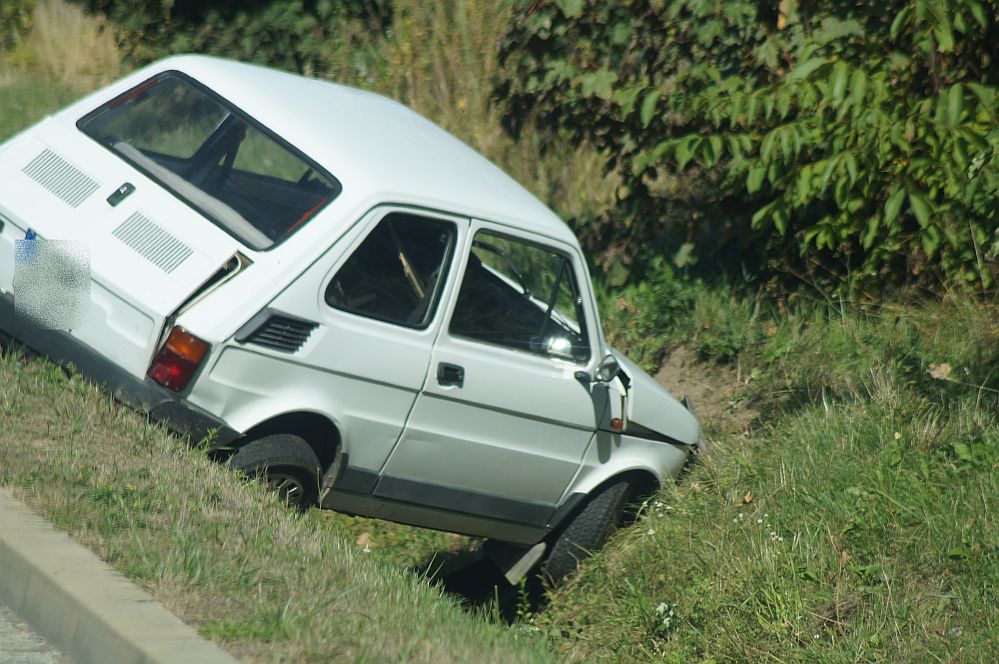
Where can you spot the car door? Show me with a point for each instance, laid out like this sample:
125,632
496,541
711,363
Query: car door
502,423
373,309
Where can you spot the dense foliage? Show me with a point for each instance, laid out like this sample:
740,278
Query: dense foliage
306,36
15,21
841,141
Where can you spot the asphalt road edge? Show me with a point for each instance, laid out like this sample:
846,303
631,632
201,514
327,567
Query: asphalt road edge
83,607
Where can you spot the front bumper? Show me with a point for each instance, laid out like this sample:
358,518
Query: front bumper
159,403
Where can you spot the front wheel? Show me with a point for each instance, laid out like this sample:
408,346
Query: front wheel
288,465
585,532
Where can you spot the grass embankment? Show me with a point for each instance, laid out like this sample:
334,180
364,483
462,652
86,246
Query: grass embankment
266,583
857,521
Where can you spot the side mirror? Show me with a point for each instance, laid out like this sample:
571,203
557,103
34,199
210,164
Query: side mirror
559,347
607,370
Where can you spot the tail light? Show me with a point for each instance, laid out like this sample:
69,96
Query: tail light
178,359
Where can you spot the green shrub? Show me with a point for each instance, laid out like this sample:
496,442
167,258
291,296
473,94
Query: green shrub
844,142
15,21
306,37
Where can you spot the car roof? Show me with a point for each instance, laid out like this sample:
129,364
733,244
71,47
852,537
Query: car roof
376,147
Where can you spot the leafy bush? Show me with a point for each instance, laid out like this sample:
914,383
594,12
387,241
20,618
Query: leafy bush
643,318
841,140
307,37
15,21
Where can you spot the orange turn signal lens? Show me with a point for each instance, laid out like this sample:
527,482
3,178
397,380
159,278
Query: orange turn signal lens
617,424
186,345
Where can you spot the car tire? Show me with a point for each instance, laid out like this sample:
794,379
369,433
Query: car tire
585,532
288,465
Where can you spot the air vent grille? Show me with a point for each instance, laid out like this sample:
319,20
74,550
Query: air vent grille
152,242
66,181
281,333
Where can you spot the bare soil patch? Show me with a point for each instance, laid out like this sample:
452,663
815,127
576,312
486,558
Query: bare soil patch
716,391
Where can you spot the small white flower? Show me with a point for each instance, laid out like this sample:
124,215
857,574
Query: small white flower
367,548
759,521
897,435
650,532
815,636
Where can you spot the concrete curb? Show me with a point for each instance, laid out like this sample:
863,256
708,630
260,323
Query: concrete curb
82,606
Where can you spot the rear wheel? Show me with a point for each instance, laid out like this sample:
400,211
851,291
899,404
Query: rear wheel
288,465
585,532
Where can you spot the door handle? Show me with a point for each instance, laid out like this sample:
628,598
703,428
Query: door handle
450,374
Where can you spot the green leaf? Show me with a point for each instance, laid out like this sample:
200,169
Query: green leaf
894,205
685,150
963,451
837,81
851,166
977,11
571,8
920,207
649,106
900,20
858,86
872,231
715,142
945,38
987,97
598,83
961,153
622,33
760,215
626,98
958,552
955,104
930,238
780,217
803,70
755,178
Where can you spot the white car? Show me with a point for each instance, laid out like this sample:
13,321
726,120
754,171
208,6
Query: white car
339,296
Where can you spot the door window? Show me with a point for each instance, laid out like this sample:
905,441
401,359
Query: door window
397,272
523,296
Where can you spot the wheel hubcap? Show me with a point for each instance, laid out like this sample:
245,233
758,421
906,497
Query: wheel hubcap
288,487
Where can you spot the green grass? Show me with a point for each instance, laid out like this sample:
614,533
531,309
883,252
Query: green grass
24,100
858,522
263,581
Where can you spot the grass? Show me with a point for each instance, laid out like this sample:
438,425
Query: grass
859,523
263,581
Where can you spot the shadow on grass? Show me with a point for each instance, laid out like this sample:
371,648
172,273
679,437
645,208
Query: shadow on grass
469,576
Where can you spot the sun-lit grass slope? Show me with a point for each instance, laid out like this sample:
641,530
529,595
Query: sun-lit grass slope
266,583
860,522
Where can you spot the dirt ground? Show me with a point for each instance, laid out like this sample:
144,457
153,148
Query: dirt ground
715,391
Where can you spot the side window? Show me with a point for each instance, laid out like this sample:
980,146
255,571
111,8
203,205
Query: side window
397,272
522,296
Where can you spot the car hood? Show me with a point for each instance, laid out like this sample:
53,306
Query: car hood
655,413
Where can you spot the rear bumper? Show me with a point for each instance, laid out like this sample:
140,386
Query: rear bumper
159,403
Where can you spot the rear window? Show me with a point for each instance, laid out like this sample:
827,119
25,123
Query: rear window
214,157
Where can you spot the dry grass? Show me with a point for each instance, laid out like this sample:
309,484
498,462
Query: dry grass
66,46
441,60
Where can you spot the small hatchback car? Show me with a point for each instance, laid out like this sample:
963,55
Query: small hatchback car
337,295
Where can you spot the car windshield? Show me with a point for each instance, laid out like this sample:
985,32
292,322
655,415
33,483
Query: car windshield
214,157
